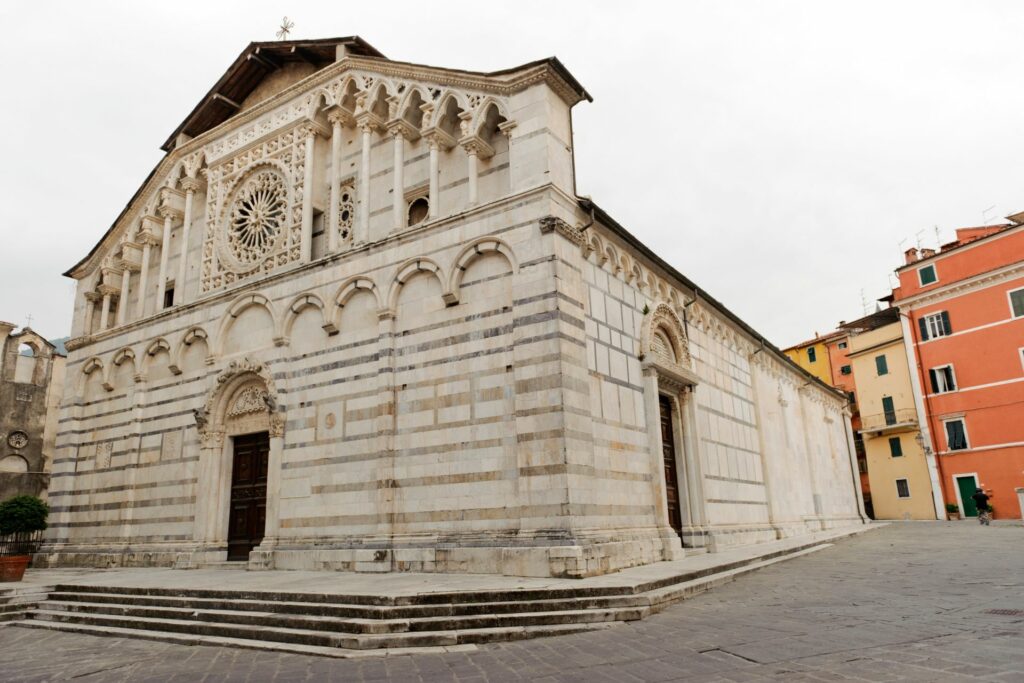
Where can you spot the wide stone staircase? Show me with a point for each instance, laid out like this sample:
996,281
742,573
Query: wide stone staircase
345,625
16,600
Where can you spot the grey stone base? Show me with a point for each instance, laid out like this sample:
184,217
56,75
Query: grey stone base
580,555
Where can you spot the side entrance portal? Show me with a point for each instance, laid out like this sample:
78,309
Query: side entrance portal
248,494
668,452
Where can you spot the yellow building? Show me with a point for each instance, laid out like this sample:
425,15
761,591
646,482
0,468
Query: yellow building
812,355
898,470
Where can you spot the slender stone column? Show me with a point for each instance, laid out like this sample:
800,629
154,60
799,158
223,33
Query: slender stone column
471,157
140,307
90,312
105,311
122,307
190,185
434,189
398,194
307,195
364,187
337,119
165,248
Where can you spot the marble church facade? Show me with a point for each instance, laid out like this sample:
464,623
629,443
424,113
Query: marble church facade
358,319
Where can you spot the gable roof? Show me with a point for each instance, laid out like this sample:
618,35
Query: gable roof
250,68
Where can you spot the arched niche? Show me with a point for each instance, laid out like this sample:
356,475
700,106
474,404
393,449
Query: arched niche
13,464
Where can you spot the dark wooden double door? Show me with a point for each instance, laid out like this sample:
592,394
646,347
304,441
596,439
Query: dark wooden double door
248,517
668,454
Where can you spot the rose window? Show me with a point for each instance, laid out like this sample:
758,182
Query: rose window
257,217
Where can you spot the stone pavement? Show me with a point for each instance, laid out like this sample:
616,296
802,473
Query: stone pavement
917,601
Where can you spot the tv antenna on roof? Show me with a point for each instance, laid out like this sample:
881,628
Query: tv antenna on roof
28,320
984,214
284,29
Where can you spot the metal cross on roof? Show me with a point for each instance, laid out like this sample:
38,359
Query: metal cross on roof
285,28
28,320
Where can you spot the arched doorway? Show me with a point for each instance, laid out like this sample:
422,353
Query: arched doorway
241,430
669,381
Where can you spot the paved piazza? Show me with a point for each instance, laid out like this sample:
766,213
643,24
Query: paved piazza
908,602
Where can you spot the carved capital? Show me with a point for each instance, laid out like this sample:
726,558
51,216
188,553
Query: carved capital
402,127
190,185
476,146
436,137
337,116
506,128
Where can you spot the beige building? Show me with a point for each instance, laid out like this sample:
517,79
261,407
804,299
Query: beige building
358,318
903,479
31,386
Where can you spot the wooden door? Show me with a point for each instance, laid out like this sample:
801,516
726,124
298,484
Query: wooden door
668,453
248,494
967,486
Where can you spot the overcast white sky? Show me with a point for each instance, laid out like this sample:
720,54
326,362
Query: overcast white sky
774,152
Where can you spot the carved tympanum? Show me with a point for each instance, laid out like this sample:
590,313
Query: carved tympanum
251,399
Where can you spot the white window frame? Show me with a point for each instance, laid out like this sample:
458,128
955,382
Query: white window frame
1020,352
945,434
1009,302
933,321
920,280
841,345
905,481
941,379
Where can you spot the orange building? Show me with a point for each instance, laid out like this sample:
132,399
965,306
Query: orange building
962,310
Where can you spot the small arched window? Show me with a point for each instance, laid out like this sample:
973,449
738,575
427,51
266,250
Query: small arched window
24,370
419,209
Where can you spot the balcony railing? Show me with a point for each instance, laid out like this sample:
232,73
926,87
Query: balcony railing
890,420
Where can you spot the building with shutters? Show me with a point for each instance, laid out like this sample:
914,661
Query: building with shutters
358,318
903,477
962,311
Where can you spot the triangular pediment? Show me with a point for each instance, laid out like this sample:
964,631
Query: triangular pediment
261,71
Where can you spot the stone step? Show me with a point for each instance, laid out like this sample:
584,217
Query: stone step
202,630
351,625
215,641
349,611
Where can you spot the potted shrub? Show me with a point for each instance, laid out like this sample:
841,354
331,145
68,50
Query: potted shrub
22,518
953,510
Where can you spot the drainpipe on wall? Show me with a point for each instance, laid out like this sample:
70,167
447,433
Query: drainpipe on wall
923,411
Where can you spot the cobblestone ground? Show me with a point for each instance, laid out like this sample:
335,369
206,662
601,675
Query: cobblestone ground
909,602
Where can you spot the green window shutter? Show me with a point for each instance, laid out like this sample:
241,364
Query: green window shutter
881,365
945,323
923,324
927,275
895,447
812,355
933,376
889,410
1017,303
955,436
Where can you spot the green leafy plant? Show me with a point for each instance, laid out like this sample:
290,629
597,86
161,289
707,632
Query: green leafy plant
23,514
952,507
